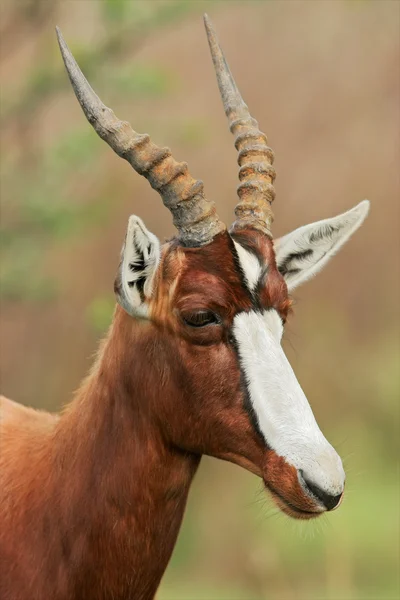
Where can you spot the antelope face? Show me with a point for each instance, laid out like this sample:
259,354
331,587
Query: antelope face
216,303
220,311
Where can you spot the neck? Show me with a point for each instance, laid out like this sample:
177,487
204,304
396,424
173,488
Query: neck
123,489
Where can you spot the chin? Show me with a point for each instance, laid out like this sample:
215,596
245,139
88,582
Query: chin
292,510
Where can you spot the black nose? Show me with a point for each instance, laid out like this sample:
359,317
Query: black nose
330,502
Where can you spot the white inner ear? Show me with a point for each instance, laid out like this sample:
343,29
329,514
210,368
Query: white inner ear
303,252
140,257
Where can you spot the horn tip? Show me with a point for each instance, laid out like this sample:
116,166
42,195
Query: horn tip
69,60
207,23
61,41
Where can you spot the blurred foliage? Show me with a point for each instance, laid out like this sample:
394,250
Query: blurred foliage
193,132
116,10
143,80
39,209
21,277
127,24
99,313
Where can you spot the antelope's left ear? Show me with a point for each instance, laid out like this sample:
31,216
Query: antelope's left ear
303,252
140,257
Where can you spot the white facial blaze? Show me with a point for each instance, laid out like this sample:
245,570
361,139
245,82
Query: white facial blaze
284,415
250,266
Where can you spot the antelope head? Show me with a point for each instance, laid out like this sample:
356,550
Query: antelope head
211,307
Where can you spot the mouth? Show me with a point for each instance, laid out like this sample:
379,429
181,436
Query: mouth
290,509
295,494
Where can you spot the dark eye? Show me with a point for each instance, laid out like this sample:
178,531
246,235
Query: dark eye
201,318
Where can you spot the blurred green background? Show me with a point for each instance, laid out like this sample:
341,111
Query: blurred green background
322,78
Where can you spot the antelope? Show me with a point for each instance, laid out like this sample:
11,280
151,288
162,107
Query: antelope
92,499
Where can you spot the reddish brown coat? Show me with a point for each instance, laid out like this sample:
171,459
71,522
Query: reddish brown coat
91,502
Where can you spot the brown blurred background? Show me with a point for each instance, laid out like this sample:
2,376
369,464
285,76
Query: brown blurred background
322,78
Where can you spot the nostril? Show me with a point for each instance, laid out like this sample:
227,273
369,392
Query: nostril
328,500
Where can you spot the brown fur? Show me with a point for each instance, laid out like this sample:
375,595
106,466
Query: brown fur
91,502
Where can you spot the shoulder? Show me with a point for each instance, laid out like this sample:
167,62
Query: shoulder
13,413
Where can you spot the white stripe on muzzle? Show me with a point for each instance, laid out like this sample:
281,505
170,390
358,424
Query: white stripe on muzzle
284,415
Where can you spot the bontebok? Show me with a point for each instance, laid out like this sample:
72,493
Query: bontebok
91,500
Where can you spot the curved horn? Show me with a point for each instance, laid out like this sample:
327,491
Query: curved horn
255,159
194,216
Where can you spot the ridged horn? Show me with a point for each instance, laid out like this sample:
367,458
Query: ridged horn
194,216
256,174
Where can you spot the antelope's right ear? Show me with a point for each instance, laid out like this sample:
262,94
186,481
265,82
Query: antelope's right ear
140,257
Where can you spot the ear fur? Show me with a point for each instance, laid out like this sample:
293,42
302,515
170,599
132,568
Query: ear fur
303,252
140,256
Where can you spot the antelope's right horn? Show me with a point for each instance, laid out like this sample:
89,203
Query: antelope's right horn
194,216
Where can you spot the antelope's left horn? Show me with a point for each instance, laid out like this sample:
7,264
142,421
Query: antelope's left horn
256,192
194,216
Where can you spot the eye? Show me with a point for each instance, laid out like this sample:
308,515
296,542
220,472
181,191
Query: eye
201,318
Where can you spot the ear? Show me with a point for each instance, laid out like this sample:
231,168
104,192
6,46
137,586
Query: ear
303,252
140,257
